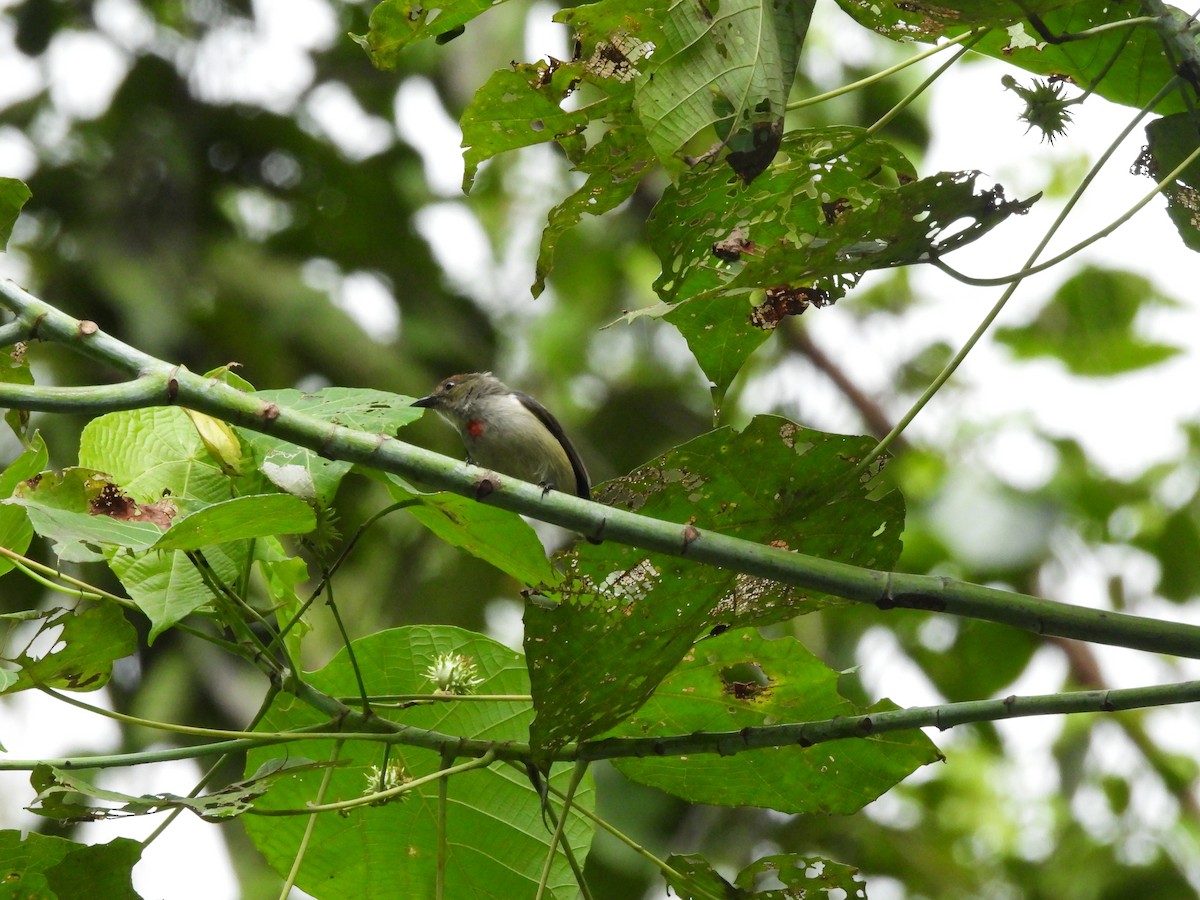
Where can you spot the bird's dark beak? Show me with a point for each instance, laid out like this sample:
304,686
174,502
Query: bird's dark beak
426,402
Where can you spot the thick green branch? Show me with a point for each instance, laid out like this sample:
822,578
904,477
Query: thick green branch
884,590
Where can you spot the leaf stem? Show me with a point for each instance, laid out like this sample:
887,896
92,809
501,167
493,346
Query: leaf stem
883,73
310,825
1029,269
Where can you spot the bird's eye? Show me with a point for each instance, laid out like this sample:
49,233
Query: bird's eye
449,385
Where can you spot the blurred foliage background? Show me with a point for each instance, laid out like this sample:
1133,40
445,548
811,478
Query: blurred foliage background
222,181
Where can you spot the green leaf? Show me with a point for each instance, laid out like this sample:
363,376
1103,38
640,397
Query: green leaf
1176,546
303,472
63,795
14,369
241,518
836,205
16,531
41,866
1006,650
523,105
1172,139
149,451
395,24
625,617
282,575
729,65
496,842
520,107
692,877
721,333
168,588
739,680
85,514
74,650
800,877
1126,65
614,166
496,536
1090,325
13,195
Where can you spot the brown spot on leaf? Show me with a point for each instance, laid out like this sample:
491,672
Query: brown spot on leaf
745,681
785,300
116,504
615,58
835,209
731,248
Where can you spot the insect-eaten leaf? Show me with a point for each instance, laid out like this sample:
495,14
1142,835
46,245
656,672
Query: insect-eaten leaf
604,638
72,650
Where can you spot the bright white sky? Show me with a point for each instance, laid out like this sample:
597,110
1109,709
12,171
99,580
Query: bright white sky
1126,422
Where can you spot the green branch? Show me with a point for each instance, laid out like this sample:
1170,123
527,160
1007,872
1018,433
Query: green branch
177,386
804,734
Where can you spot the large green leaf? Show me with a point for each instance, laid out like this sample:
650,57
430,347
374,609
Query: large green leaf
152,453
496,841
727,64
42,866
523,105
73,650
624,617
612,38
838,204
834,205
739,680
1089,325
614,166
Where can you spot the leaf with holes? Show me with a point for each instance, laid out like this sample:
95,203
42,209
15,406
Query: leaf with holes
692,877
1172,139
625,617
741,680
74,650
838,204
395,24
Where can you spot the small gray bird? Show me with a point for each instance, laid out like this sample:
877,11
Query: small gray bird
509,432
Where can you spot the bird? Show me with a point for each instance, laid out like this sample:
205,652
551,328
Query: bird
509,432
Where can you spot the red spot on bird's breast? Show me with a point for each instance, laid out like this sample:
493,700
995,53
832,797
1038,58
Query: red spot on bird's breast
475,428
